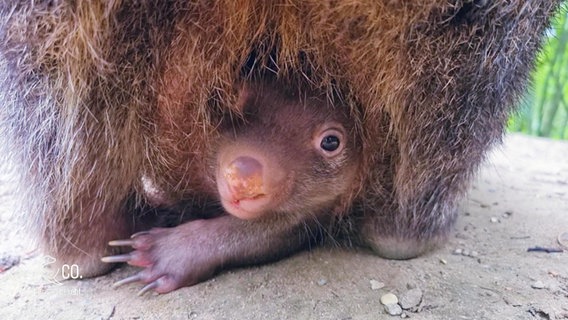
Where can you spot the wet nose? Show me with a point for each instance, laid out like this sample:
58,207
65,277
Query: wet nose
244,177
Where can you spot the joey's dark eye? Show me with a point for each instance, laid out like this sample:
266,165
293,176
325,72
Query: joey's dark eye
330,140
329,143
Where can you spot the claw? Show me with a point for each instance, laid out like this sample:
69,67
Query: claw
139,234
118,258
151,286
121,243
131,279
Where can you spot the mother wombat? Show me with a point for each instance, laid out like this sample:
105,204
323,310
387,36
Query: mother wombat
99,95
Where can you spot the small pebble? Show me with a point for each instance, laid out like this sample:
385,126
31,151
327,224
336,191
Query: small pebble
494,220
458,251
411,299
376,285
322,282
473,254
393,309
389,298
404,315
465,253
538,285
443,261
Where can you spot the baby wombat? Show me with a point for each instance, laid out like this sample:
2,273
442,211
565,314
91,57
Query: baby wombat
280,170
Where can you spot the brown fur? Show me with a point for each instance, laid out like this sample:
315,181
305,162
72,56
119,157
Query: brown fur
97,95
297,189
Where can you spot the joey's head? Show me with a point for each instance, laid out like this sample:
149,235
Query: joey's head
290,154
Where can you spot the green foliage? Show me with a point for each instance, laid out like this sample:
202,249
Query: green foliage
544,108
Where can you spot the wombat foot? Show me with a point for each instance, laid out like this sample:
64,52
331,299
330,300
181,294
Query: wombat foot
171,257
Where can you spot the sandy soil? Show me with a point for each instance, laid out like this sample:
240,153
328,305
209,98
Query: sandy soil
520,200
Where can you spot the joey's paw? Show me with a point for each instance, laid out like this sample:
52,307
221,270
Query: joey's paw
167,258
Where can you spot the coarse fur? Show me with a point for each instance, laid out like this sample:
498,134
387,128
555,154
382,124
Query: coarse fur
282,171
97,95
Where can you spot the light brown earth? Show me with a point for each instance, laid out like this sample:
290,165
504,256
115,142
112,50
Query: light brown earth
524,187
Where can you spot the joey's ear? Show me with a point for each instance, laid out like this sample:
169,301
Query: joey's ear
244,95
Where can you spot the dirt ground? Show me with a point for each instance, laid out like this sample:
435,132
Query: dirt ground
519,201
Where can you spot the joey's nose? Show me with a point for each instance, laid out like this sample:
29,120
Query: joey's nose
244,177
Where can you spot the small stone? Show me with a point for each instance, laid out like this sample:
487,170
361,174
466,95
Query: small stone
322,282
393,309
465,253
494,220
473,254
376,285
538,285
389,298
404,315
411,298
443,261
457,252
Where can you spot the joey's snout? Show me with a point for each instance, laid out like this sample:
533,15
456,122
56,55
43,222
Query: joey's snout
250,183
244,177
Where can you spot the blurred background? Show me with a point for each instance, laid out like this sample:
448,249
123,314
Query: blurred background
543,111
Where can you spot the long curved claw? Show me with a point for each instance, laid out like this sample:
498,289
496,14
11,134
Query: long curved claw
118,258
131,279
139,234
151,286
121,243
